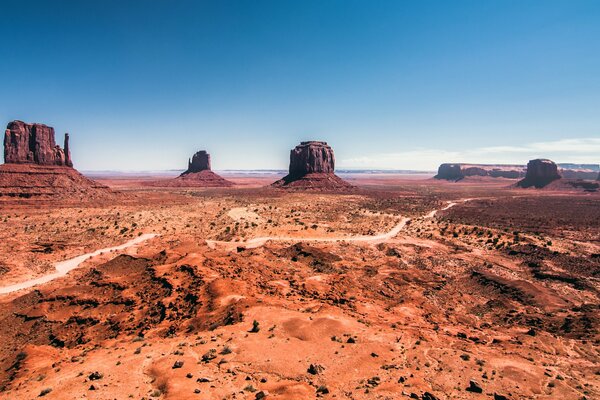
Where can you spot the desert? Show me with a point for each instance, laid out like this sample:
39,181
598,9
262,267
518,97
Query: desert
297,200
406,288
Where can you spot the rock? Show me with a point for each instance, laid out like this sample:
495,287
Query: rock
94,376
540,173
315,369
428,396
178,364
198,174
458,171
34,144
261,395
312,166
474,387
322,390
199,162
35,167
499,397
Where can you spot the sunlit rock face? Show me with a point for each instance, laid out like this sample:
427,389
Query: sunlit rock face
26,143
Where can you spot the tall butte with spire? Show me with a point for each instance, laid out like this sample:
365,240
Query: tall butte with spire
35,166
198,174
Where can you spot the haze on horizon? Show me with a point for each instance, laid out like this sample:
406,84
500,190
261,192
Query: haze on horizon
389,84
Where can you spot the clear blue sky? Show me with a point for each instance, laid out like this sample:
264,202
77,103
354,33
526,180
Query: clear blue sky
142,85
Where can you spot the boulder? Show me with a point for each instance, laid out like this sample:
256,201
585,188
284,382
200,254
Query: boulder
26,143
312,166
540,172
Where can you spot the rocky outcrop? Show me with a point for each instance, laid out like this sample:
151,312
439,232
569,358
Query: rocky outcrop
198,174
199,162
312,166
311,157
540,172
34,144
458,171
35,167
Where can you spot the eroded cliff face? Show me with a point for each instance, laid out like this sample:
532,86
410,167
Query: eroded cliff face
26,143
458,171
311,157
198,174
199,162
312,166
540,172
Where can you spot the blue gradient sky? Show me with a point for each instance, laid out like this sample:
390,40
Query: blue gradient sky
141,85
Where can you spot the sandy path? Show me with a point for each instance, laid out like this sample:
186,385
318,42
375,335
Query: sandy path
64,267
260,241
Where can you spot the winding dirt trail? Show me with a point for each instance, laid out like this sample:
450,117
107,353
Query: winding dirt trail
383,237
64,267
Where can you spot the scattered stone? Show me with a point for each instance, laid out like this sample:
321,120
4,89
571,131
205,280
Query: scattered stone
94,376
315,369
178,364
261,395
474,387
322,390
499,397
255,327
428,396
209,355
45,392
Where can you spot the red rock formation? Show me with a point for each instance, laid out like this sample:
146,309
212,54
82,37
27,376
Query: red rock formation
199,162
198,174
35,167
312,166
540,172
33,144
458,171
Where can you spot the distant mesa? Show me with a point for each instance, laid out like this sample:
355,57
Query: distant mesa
198,174
540,173
34,166
312,166
458,171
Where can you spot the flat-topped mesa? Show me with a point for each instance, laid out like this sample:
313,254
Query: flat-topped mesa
199,162
312,166
311,157
540,172
458,171
26,143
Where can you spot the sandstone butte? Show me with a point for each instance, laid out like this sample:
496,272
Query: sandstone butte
540,173
198,174
35,166
312,166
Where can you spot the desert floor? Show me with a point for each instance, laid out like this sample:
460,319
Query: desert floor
403,288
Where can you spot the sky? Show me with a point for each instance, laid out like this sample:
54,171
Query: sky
142,85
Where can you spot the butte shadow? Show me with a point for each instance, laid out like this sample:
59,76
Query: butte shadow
312,166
